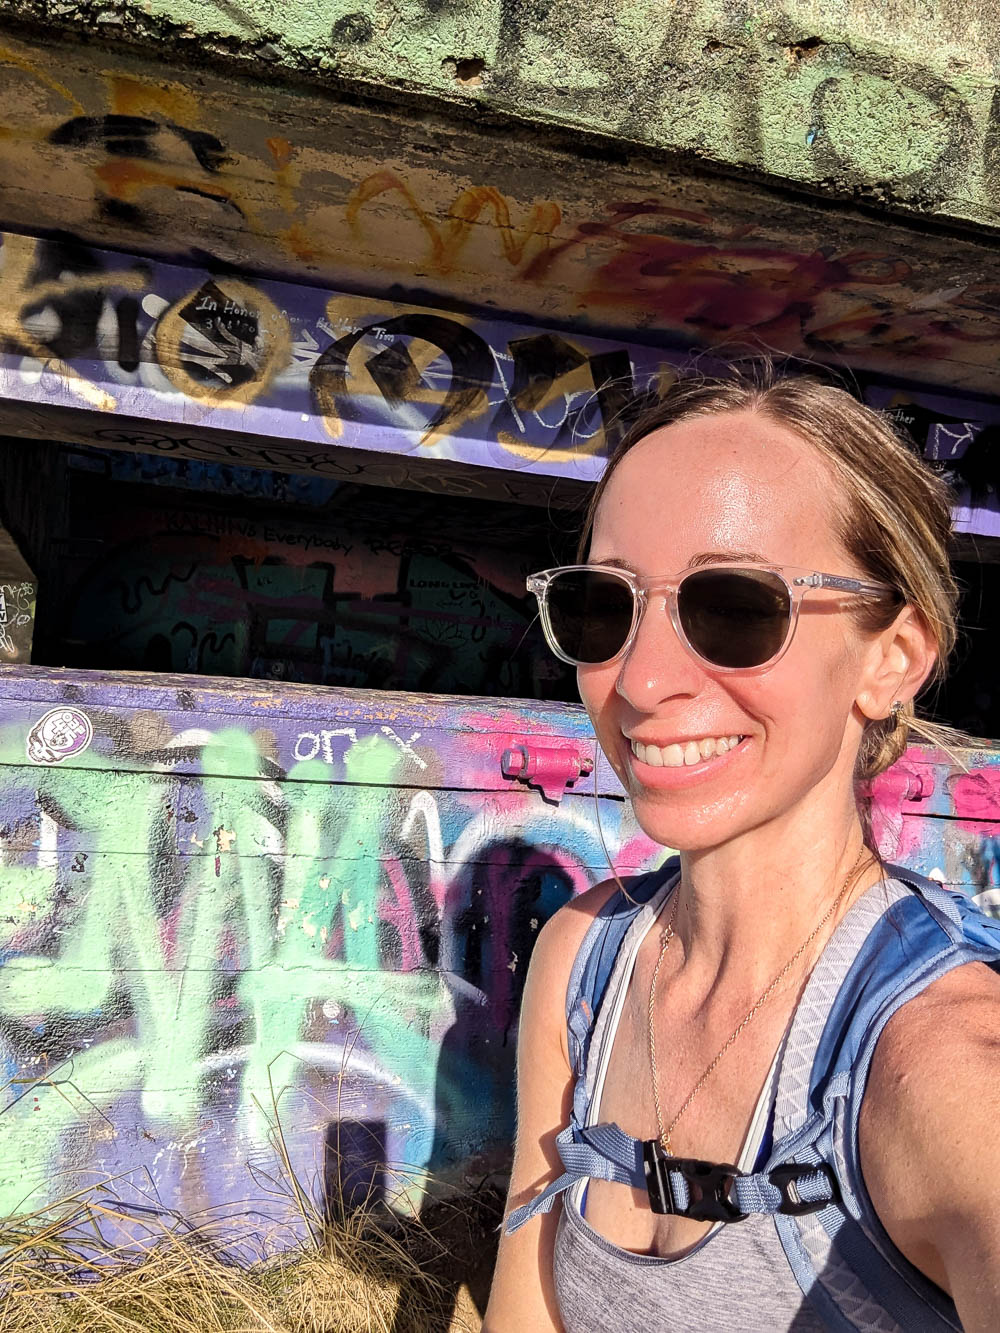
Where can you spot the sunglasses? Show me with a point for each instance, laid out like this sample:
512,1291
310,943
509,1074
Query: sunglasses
729,617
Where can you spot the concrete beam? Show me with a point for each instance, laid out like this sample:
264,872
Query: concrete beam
119,151
834,99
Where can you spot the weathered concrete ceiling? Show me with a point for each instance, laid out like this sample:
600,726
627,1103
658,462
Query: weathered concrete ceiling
416,203
893,101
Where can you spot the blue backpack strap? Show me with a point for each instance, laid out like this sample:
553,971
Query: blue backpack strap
893,943
836,1261
602,1151
605,1152
588,979
704,1191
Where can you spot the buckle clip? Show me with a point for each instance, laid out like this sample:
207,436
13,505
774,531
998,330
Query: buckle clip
709,1185
786,1177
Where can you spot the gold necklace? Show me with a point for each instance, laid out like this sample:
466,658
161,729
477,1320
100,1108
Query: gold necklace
667,935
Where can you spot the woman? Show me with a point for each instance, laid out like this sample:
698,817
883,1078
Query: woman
742,710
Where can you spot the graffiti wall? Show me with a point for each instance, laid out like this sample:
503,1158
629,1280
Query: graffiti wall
161,358
17,619
138,155
218,902
226,904
305,580
303,374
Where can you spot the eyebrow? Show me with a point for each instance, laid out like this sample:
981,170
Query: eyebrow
614,563
702,558
727,558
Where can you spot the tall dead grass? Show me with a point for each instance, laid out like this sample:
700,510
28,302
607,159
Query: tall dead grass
363,1272
75,1266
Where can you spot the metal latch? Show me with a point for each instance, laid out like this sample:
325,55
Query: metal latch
549,768
904,781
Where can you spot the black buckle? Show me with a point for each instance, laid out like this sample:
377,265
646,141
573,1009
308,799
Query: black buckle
786,1176
709,1184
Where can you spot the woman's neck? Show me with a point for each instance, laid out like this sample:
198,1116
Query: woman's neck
749,904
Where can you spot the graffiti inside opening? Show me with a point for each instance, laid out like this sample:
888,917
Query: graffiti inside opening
172,565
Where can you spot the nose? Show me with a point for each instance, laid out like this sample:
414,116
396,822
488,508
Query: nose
657,666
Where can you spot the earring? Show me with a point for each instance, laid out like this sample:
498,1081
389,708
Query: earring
896,714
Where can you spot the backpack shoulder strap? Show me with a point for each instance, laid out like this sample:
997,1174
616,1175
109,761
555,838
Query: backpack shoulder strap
894,942
603,1151
595,959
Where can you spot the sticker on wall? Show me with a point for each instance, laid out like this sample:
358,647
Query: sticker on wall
60,734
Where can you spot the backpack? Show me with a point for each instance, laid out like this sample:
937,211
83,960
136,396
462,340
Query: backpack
881,955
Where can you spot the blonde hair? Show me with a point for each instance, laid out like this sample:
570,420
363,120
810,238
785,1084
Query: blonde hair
895,519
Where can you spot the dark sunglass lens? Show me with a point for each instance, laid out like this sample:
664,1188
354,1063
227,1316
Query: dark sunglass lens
590,614
735,618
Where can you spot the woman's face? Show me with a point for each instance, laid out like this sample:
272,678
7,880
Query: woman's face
730,487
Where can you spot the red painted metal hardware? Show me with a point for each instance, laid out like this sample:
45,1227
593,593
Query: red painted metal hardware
905,781
550,768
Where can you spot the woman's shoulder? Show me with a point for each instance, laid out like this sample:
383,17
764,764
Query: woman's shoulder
564,932
930,1041
552,959
928,1121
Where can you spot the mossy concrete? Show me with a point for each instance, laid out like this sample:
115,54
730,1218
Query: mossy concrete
891,103
168,159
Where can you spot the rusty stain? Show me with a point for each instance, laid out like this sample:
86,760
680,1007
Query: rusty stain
132,97
282,152
127,178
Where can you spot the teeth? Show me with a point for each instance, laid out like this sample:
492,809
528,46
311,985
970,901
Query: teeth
680,756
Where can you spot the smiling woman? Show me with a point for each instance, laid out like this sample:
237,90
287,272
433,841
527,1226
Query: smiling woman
776,1029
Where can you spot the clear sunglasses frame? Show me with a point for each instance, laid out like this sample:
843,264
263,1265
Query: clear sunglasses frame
798,583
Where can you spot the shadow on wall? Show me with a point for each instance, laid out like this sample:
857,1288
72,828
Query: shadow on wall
496,908
454,1240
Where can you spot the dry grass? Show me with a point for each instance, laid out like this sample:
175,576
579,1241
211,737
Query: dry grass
74,1266
363,1269
365,1273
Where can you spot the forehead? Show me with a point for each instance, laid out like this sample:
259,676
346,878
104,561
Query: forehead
733,482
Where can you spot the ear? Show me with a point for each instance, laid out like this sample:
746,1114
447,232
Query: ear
899,660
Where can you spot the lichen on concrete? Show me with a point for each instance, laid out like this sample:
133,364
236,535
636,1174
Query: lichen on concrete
894,104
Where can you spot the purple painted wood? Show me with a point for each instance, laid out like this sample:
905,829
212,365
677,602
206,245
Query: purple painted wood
309,379
215,888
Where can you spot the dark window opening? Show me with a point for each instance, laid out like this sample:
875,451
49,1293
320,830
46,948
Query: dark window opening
168,564
969,697
173,565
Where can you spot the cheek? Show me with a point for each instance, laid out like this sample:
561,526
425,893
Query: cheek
810,694
596,687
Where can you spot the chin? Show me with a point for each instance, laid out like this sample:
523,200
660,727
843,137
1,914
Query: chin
684,827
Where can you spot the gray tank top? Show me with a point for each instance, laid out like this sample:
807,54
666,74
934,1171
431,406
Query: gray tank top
736,1280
